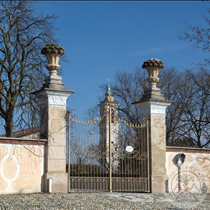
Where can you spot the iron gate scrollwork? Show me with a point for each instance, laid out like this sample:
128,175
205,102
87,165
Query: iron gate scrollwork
108,154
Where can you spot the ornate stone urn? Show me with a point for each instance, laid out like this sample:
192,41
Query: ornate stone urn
153,66
53,52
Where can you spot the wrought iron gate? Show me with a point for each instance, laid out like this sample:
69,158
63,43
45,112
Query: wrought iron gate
108,154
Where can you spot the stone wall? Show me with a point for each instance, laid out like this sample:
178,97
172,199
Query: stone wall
21,165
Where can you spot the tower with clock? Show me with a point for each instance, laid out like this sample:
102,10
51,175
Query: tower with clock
109,112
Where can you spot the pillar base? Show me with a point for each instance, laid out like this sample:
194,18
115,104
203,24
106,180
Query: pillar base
59,182
158,184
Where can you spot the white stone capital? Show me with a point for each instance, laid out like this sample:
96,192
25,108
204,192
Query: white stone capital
153,107
54,98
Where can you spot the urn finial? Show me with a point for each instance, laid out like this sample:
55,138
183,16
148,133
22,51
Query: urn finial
153,66
53,52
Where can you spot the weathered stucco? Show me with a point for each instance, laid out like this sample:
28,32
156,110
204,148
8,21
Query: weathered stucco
21,168
195,168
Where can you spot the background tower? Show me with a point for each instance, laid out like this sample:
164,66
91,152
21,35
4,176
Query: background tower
108,130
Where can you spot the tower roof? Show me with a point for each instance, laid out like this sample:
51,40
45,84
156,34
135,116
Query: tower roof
108,95
108,88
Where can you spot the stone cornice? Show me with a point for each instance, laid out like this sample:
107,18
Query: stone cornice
11,140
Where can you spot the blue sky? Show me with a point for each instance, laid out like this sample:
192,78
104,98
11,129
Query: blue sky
102,37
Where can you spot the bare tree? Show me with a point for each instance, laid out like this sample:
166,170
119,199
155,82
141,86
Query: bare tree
170,85
197,108
22,36
187,119
199,36
196,115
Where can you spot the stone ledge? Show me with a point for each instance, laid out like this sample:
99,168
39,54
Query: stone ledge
11,140
187,149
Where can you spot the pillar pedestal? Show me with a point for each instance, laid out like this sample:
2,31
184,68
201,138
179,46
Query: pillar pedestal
156,111
153,104
52,98
53,127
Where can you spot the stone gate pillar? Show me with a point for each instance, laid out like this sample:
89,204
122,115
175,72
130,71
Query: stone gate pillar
52,98
154,105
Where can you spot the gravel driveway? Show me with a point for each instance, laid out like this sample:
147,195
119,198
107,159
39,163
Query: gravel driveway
106,201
